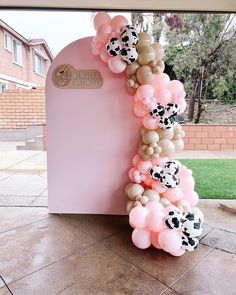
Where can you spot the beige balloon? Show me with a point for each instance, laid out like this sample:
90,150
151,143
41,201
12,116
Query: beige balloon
150,137
159,51
144,40
142,152
152,195
144,75
131,69
167,147
165,202
179,145
165,133
145,55
133,190
129,206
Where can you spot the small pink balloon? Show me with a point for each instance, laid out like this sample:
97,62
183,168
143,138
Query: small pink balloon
169,208
136,160
104,33
139,109
187,183
180,252
101,18
116,64
173,194
95,51
170,240
154,206
144,166
156,185
160,81
136,98
150,123
148,180
175,86
141,238
183,106
145,91
154,240
192,197
161,161
104,55
163,95
131,174
118,22
154,220
138,216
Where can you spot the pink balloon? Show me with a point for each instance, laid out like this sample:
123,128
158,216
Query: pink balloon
101,18
136,98
104,33
116,64
154,206
148,180
131,174
139,109
160,81
169,208
173,194
150,123
154,220
175,86
138,216
95,51
156,185
141,238
144,166
170,240
163,95
192,197
180,252
161,161
118,22
136,160
154,240
104,55
145,91
187,183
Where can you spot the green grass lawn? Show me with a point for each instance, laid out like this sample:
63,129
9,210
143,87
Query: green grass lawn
215,178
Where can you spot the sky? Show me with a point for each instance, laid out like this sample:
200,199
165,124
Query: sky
57,28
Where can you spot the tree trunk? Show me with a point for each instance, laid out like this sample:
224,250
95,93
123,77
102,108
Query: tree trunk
192,99
199,106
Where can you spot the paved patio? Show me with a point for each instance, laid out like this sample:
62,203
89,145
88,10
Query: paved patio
93,254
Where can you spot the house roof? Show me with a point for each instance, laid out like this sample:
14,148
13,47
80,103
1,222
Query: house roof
29,42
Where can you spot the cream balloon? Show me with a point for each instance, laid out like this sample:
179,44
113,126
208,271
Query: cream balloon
144,40
165,133
179,144
152,195
132,68
167,147
159,51
145,55
150,136
133,190
144,75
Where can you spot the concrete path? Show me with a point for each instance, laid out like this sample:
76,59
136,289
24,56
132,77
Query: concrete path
23,174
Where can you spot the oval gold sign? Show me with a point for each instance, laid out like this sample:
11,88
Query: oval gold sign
67,77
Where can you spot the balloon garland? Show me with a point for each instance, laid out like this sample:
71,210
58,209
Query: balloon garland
162,201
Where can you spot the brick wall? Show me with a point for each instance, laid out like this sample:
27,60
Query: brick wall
210,137
21,108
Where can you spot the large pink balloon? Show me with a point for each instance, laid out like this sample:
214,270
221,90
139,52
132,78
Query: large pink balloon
173,194
161,161
163,95
139,109
141,238
160,81
145,91
150,123
192,197
104,55
154,206
118,22
154,240
187,183
101,18
182,106
144,166
154,220
170,240
104,33
175,86
156,185
180,252
116,64
136,159
138,216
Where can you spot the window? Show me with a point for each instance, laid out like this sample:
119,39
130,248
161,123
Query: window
3,87
39,65
7,41
17,52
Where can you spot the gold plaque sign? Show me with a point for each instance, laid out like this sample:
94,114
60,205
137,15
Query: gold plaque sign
67,77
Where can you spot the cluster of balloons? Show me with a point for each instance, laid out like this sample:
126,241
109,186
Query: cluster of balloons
162,201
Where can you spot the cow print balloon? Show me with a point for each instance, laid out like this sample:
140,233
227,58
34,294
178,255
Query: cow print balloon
129,36
175,219
158,111
189,244
113,47
156,172
169,180
129,55
192,225
171,167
